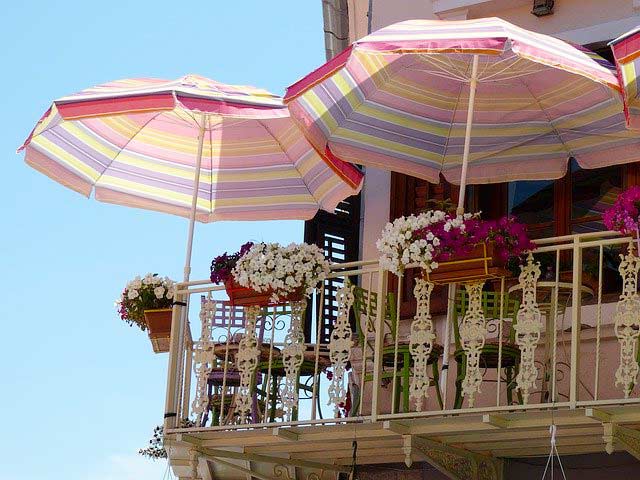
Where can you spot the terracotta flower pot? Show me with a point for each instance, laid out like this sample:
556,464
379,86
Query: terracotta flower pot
245,296
159,328
478,264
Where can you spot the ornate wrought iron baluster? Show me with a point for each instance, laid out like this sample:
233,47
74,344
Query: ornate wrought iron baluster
340,346
421,341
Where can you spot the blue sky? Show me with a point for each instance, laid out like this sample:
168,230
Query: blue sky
80,391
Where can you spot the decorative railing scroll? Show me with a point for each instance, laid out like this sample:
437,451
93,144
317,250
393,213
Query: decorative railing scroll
421,340
627,321
247,357
340,347
292,358
473,333
528,327
203,359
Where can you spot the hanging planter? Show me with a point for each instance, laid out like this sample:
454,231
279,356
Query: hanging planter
146,302
247,296
159,328
452,249
269,274
481,263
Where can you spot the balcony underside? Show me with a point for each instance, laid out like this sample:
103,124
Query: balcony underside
327,449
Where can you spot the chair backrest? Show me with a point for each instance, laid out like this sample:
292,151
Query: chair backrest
491,304
365,303
228,316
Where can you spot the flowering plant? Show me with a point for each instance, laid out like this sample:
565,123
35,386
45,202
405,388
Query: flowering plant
436,236
419,239
509,237
223,265
624,215
296,268
140,294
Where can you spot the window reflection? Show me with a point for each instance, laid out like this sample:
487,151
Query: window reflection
532,203
592,192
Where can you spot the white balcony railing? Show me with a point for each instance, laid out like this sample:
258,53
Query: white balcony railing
555,337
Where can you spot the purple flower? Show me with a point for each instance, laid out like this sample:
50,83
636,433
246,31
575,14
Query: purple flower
509,237
223,265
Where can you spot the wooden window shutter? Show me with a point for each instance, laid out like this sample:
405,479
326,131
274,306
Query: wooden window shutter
338,234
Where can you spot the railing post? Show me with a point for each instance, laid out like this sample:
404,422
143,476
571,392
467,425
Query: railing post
186,389
379,343
576,310
172,395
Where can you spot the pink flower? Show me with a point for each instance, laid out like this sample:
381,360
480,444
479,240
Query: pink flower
623,214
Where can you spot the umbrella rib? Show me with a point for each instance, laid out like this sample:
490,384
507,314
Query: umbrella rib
555,130
454,72
293,163
211,167
129,140
453,118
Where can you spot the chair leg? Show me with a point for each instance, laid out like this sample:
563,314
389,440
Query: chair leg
461,367
274,398
318,405
436,381
508,375
406,378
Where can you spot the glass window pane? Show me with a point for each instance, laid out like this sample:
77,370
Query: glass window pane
592,192
531,201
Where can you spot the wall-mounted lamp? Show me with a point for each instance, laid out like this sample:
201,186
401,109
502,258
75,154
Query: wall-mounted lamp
542,7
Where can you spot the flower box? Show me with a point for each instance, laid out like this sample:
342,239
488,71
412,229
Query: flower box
480,263
159,328
245,296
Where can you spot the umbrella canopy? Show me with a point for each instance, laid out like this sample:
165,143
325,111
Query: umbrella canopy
420,96
626,51
136,142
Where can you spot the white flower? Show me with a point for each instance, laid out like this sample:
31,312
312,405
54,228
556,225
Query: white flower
285,270
146,293
398,248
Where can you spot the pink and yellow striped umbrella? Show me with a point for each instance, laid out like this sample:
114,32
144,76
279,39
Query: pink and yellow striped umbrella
135,143
422,96
626,51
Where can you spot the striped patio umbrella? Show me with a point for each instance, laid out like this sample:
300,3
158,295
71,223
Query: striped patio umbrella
626,51
153,144
479,101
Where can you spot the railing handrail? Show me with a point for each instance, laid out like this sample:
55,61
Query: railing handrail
563,346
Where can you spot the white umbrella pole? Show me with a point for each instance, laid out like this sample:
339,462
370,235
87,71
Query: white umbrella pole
451,304
467,135
194,200
178,330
